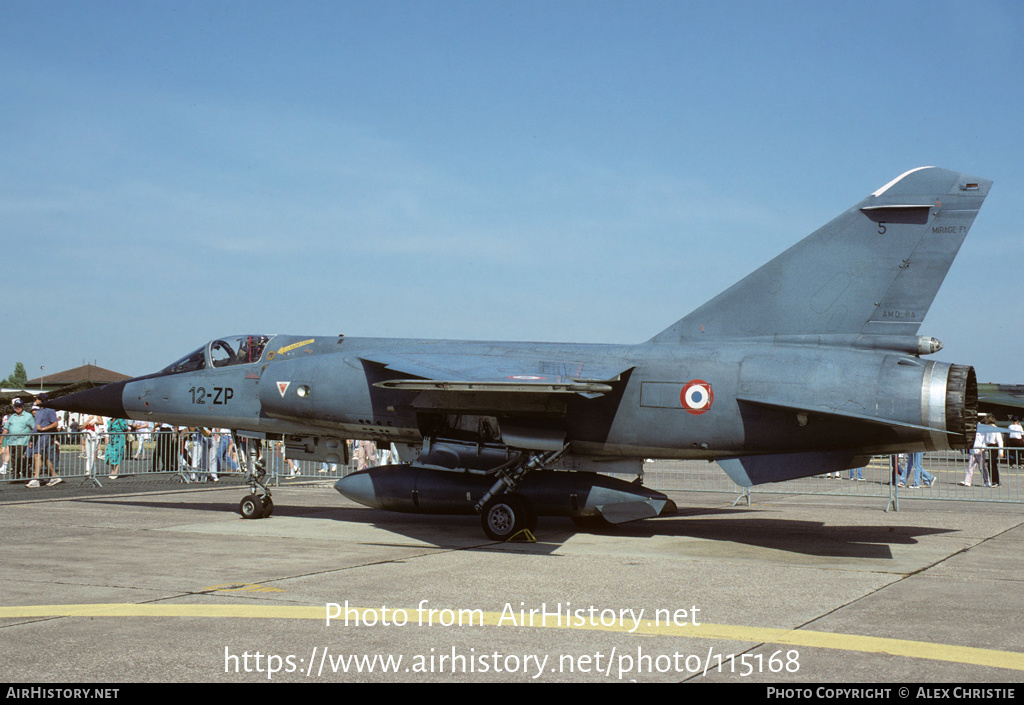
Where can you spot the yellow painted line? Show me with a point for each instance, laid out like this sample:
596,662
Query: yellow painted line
241,587
166,610
989,658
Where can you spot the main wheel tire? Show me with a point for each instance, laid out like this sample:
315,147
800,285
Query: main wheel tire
505,516
268,506
251,507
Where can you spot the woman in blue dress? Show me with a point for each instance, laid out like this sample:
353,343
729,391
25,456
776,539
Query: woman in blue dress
117,430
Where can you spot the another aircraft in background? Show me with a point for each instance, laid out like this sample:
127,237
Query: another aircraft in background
1004,401
808,365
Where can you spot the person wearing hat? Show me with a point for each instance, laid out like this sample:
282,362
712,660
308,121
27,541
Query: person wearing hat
18,432
45,423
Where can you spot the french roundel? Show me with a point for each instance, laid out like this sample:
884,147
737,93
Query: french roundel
696,396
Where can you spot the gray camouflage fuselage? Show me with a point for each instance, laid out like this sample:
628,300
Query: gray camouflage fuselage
806,366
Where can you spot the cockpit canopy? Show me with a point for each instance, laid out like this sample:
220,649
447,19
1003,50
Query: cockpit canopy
233,350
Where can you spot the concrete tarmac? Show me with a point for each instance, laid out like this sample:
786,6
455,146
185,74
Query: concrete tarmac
167,583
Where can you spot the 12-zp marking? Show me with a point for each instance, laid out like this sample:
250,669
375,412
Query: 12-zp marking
220,395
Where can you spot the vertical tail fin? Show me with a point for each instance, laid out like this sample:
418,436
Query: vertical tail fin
873,270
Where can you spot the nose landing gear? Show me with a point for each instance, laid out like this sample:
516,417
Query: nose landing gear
255,506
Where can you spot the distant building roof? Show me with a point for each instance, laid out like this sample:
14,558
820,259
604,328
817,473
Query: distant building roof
85,373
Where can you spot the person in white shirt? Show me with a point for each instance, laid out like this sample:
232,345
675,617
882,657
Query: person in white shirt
141,436
977,460
1016,440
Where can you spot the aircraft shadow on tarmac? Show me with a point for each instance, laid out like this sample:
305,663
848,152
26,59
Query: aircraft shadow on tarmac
735,525
811,538
749,527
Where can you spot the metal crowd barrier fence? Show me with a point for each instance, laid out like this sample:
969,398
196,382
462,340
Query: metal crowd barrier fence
876,479
191,458
186,456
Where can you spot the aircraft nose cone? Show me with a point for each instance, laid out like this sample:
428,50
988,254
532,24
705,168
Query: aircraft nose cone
359,488
102,401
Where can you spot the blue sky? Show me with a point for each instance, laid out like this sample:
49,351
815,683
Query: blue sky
566,171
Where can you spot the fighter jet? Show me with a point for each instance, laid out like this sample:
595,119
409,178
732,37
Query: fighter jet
808,365
1003,400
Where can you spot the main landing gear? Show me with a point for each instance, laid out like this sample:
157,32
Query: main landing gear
504,514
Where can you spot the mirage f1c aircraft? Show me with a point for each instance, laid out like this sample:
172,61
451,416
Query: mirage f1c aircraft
808,365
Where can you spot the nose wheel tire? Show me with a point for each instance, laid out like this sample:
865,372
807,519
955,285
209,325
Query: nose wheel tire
505,516
251,507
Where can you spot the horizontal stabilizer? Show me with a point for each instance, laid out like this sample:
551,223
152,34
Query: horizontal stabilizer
760,469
